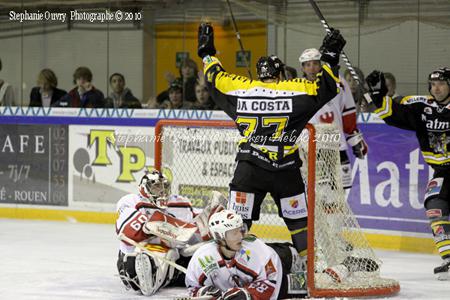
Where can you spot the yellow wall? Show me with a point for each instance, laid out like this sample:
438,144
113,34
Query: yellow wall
173,38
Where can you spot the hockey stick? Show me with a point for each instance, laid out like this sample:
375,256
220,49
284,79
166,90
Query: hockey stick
344,56
137,245
238,36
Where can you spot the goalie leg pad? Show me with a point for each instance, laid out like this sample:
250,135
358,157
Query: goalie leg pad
153,273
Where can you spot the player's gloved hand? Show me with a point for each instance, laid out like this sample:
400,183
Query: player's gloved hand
205,40
359,146
377,86
331,48
209,290
236,294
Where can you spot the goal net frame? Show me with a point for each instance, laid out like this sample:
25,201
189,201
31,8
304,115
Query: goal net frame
313,290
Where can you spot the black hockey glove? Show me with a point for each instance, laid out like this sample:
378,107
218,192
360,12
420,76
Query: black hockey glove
210,290
331,48
205,40
236,294
377,86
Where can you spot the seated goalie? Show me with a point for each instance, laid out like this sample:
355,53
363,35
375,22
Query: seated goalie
238,266
166,226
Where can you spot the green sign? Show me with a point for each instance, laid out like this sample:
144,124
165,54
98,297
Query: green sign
243,58
180,57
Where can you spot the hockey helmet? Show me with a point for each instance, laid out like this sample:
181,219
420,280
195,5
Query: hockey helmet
223,221
269,67
441,74
155,187
309,55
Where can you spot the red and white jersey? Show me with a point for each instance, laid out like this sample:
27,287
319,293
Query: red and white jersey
340,111
134,212
256,267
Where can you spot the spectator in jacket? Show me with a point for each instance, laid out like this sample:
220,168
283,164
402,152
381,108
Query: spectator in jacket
84,94
121,97
46,93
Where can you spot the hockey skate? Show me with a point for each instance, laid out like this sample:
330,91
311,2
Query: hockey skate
442,272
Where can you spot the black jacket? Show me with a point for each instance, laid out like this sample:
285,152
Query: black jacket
36,97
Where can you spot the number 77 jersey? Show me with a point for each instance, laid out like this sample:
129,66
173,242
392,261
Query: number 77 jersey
270,115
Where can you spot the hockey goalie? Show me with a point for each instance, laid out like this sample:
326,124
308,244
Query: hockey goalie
158,234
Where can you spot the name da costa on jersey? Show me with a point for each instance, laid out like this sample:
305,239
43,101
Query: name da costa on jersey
264,105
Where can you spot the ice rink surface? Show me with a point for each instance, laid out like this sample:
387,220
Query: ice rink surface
58,260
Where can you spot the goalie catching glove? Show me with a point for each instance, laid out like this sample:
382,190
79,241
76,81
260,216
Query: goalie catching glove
217,203
205,40
331,48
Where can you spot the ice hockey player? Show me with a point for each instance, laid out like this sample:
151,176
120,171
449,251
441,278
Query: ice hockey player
168,227
339,111
270,115
236,266
429,117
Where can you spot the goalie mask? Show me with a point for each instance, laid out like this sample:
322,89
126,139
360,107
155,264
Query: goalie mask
269,67
223,221
155,187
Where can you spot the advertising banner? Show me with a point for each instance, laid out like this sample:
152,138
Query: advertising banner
33,164
389,186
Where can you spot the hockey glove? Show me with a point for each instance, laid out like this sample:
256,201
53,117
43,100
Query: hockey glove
236,294
359,146
205,40
377,86
209,290
331,48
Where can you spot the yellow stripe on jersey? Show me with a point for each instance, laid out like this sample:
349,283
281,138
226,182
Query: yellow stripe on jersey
386,109
434,158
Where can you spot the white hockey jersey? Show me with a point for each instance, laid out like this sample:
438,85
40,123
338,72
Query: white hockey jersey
134,212
340,111
256,267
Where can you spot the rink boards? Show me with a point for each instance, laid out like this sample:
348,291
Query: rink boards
73,165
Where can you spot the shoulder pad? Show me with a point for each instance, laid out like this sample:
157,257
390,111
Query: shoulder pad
417,99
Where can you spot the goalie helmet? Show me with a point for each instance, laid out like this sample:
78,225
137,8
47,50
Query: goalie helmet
155,187
223,221
309,55
441,74
269,67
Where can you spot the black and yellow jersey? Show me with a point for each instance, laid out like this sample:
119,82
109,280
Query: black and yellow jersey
269,116
428,119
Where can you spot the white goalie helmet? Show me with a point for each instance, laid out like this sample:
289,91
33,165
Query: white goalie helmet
309,55
155,187
223,221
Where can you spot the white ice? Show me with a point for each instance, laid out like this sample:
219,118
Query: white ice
58,260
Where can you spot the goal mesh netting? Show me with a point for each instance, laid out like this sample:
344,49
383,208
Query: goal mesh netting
198,157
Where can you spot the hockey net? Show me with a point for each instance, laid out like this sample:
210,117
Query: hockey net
198,157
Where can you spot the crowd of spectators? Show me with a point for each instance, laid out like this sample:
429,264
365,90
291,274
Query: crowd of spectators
187,91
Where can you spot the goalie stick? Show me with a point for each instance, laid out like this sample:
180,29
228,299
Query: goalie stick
344,56
140,246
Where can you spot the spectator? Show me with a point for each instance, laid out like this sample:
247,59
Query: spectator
46,93
358,94
7,97
121,97
84,95
188,77
391,84
204,100
290,72
176,96
188,72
